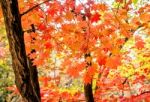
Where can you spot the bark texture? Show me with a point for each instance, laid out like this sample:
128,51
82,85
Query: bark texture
26,78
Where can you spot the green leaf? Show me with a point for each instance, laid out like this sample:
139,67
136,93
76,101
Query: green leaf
134,2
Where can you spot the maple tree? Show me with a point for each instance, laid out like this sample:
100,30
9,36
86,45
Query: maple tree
89,40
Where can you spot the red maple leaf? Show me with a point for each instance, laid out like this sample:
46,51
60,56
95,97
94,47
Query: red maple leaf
42,27
95,17
139,44
48,45
101,60
46,36
87,79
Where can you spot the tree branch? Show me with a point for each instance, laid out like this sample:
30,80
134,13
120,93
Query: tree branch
125,81
30,9
145,92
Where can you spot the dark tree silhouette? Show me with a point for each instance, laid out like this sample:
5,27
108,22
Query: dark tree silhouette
26,78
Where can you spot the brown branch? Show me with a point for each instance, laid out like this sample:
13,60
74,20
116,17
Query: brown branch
125,81
145,92
32,8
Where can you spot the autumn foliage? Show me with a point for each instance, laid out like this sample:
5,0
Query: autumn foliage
68,31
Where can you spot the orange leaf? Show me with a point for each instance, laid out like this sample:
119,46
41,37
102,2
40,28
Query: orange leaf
80,66
101,60
91,70
139,43
48,45
38,62
45,80
145,17
87,79
73,72
13,89
69,16
120,41
66,62
113,62
46,36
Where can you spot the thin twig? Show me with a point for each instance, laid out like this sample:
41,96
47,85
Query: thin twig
30,9
125,81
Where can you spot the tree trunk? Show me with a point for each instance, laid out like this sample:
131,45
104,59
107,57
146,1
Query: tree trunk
88,92
88,87
26,78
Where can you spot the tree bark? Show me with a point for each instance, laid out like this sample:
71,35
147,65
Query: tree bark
26,78
88,92
88,87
